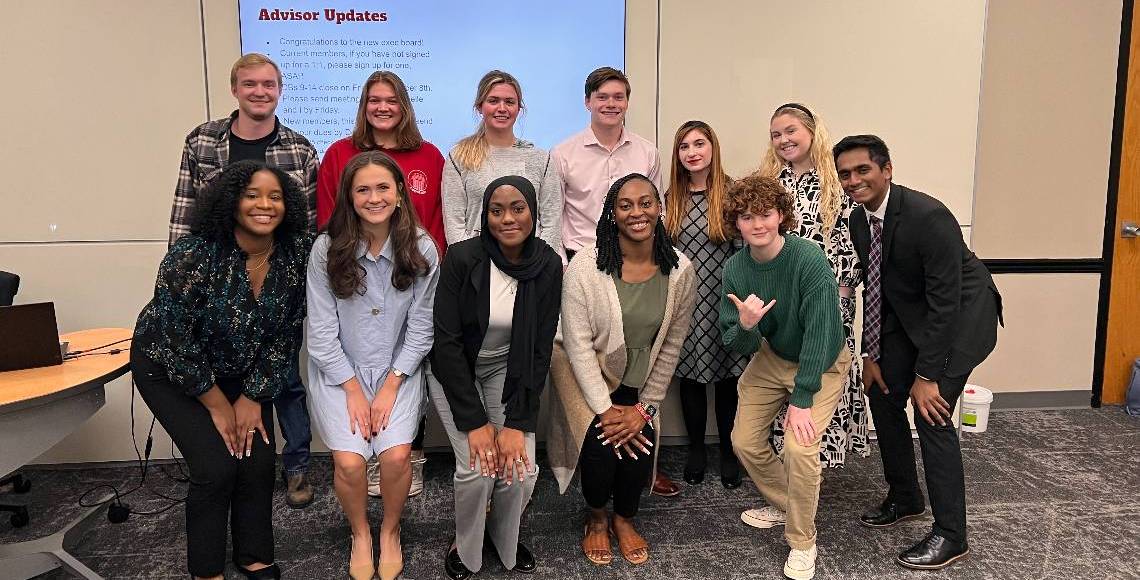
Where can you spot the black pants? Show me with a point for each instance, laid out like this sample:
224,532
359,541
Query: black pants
941,452
694,409
223,490
604,475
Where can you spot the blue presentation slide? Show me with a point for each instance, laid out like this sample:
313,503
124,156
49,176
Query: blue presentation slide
440,48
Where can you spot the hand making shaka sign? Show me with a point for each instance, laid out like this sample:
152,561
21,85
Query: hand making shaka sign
751,310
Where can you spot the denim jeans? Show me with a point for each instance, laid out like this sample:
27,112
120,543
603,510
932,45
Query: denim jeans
293,417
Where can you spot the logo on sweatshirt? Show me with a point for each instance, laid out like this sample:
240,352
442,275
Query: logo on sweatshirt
417,181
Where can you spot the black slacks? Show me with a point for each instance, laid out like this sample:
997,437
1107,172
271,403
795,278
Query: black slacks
223,490
694,410
941,450
604,475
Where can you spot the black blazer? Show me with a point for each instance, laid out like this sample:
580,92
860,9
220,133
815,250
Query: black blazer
932,284
461,314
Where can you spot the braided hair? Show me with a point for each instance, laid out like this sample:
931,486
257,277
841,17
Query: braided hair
609,249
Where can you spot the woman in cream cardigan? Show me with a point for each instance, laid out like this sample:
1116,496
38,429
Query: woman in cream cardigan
626,306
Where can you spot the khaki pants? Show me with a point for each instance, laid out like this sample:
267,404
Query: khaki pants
794,485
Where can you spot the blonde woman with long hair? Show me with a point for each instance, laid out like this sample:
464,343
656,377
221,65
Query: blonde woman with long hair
799,155
693,206
494,151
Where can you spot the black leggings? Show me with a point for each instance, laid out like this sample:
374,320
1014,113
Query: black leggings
221,488
694,409
604,475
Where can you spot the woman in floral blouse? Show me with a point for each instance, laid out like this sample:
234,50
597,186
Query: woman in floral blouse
215,345
799,155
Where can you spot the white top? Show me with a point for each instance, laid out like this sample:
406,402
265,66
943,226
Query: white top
497,341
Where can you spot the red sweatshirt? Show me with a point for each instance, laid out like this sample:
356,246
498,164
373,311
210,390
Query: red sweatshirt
423,173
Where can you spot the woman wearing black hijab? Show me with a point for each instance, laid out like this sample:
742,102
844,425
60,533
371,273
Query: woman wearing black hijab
496,312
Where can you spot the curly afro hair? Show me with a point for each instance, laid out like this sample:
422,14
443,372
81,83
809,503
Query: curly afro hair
755,194
214,212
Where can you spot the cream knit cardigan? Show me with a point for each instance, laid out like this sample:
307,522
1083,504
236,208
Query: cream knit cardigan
589,354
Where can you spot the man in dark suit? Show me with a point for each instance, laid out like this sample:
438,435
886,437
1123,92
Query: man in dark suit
930,316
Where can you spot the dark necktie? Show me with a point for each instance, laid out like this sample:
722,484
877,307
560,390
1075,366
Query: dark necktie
873,303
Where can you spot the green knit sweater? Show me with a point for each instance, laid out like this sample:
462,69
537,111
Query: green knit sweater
803,327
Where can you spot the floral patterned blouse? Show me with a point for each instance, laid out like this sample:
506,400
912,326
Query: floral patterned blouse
204,321
839,249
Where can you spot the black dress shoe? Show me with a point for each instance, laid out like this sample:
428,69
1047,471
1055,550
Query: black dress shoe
524,560
934,552
694,477
889,514
695,466
454,567
270,572
730,474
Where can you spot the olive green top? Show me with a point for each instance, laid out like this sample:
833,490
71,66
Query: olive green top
642,310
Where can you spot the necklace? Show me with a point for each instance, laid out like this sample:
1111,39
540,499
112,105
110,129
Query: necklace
264,261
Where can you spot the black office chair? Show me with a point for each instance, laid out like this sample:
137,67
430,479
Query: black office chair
9,285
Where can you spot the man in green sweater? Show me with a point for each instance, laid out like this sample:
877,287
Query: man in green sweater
781,306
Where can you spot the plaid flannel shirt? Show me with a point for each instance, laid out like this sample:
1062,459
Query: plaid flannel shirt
207,152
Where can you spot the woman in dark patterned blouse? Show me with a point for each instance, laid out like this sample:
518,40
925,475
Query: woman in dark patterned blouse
696,191
799,155
214,346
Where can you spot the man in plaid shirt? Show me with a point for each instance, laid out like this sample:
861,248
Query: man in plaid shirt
253,132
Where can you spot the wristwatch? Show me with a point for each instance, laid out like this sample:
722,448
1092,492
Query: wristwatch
648,409
399,373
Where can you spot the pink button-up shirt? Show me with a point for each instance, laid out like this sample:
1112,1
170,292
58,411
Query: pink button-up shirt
588,170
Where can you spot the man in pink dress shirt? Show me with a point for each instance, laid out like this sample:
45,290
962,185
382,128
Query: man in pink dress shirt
591,160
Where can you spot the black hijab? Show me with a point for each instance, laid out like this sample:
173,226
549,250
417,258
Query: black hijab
521,383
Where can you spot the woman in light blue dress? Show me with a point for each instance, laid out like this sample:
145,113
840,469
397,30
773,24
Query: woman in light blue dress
371,287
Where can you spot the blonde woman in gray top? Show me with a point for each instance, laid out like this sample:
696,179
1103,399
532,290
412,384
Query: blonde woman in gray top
491,152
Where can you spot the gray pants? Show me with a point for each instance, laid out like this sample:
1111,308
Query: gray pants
472,490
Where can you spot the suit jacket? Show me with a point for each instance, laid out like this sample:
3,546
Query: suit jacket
932,284
461,313
9,285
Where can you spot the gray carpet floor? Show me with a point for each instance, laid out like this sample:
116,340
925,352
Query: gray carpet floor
1051,494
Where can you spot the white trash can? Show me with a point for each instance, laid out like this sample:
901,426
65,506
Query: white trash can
975,408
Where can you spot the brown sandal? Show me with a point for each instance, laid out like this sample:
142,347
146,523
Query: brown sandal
596,545
630,544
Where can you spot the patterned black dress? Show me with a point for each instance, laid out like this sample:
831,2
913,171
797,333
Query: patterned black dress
848,428
703,357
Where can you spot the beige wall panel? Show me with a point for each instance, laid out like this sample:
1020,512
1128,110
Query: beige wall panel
1048,93
907,71
1050,330
641,66
94,114
93,285
223,47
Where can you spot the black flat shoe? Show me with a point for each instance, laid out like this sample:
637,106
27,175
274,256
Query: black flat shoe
730,474
524,560
270,572
731,482
888,514
934,552
695,464
694,477
454,567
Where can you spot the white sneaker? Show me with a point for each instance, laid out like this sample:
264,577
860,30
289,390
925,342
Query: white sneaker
418,461
765,517
800,564
373,471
